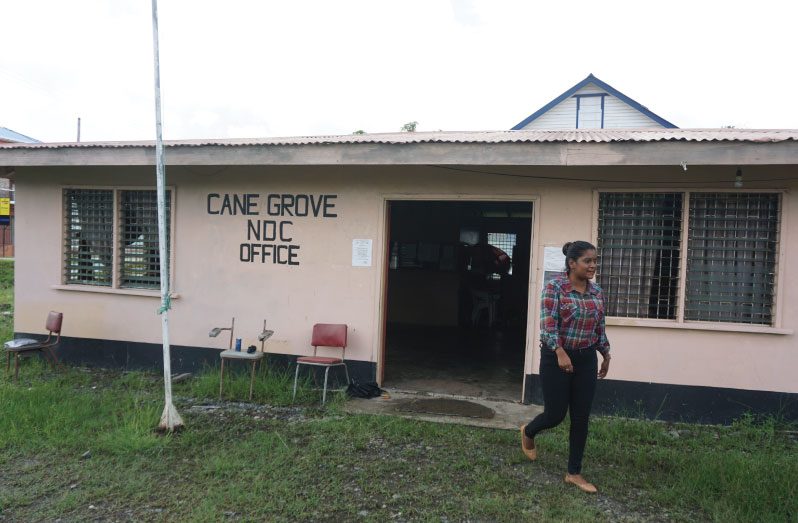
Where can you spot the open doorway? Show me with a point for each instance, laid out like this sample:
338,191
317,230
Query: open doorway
457,295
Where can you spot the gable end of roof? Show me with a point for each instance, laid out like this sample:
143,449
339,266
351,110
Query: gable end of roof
610,90
7,135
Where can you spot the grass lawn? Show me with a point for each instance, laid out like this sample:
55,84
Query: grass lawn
6,299
273,461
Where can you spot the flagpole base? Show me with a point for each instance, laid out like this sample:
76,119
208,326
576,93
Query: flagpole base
170,419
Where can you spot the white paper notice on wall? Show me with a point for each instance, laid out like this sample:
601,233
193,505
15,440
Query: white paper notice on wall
361,253
553,263
553,259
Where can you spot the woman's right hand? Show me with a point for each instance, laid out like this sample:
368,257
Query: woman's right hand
563,360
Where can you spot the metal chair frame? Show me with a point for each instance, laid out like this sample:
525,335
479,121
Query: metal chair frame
254,358
328,366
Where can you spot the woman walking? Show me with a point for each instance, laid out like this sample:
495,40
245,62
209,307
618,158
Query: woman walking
572,331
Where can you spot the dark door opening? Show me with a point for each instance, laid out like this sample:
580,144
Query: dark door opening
457,295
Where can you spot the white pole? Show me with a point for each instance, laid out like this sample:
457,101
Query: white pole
170,419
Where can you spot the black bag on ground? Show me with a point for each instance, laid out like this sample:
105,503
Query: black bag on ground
363,390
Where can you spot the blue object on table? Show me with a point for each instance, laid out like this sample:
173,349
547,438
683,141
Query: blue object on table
238,344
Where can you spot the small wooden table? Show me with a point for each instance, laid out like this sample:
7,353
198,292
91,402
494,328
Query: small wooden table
254,357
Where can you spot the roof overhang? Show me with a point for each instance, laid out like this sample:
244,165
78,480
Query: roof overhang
548,148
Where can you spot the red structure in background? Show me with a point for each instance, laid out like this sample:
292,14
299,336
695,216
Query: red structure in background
7,224
8,136
7,237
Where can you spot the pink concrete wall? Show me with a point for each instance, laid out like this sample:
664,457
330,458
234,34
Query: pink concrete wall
214,285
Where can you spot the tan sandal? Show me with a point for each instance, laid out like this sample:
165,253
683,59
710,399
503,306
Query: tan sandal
581,483
531,453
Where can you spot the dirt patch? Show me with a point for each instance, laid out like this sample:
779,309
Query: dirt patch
254,410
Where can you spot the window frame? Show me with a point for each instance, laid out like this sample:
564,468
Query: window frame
511,254
115,287
679,322
672,304
65,231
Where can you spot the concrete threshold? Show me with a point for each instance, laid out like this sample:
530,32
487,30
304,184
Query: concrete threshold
508,415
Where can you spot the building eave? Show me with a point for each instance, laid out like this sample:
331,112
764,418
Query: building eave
540,147
540,154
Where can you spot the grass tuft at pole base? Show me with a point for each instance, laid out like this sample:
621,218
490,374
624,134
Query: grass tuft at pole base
170,420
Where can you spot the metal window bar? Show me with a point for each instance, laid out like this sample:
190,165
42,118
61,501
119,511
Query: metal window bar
505,241
139,259
639,245
89,237
732,247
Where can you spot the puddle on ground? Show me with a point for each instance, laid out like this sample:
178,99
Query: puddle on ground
446,407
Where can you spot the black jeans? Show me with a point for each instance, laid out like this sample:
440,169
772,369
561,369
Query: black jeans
564,391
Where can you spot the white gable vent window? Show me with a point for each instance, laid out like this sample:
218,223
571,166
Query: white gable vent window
590,111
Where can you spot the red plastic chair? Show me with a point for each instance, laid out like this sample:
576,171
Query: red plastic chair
325,335
21,346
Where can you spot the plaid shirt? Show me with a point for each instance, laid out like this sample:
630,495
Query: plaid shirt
570,319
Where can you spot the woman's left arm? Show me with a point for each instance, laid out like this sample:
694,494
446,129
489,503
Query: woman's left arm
604,343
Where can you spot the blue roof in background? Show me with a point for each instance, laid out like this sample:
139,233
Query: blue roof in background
601,85
8,135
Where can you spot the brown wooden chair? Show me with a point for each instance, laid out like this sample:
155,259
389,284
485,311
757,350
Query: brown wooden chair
25,346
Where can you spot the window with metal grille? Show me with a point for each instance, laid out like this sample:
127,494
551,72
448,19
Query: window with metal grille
139,258
731,265
89,237
111,237
505,241
639,241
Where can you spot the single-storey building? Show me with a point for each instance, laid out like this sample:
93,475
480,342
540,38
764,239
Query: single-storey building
400,237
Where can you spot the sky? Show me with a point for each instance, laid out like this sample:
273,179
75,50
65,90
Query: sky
248,68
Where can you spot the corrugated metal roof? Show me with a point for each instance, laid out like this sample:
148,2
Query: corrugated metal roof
487,137
7,134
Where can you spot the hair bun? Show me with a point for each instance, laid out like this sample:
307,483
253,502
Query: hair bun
566,247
